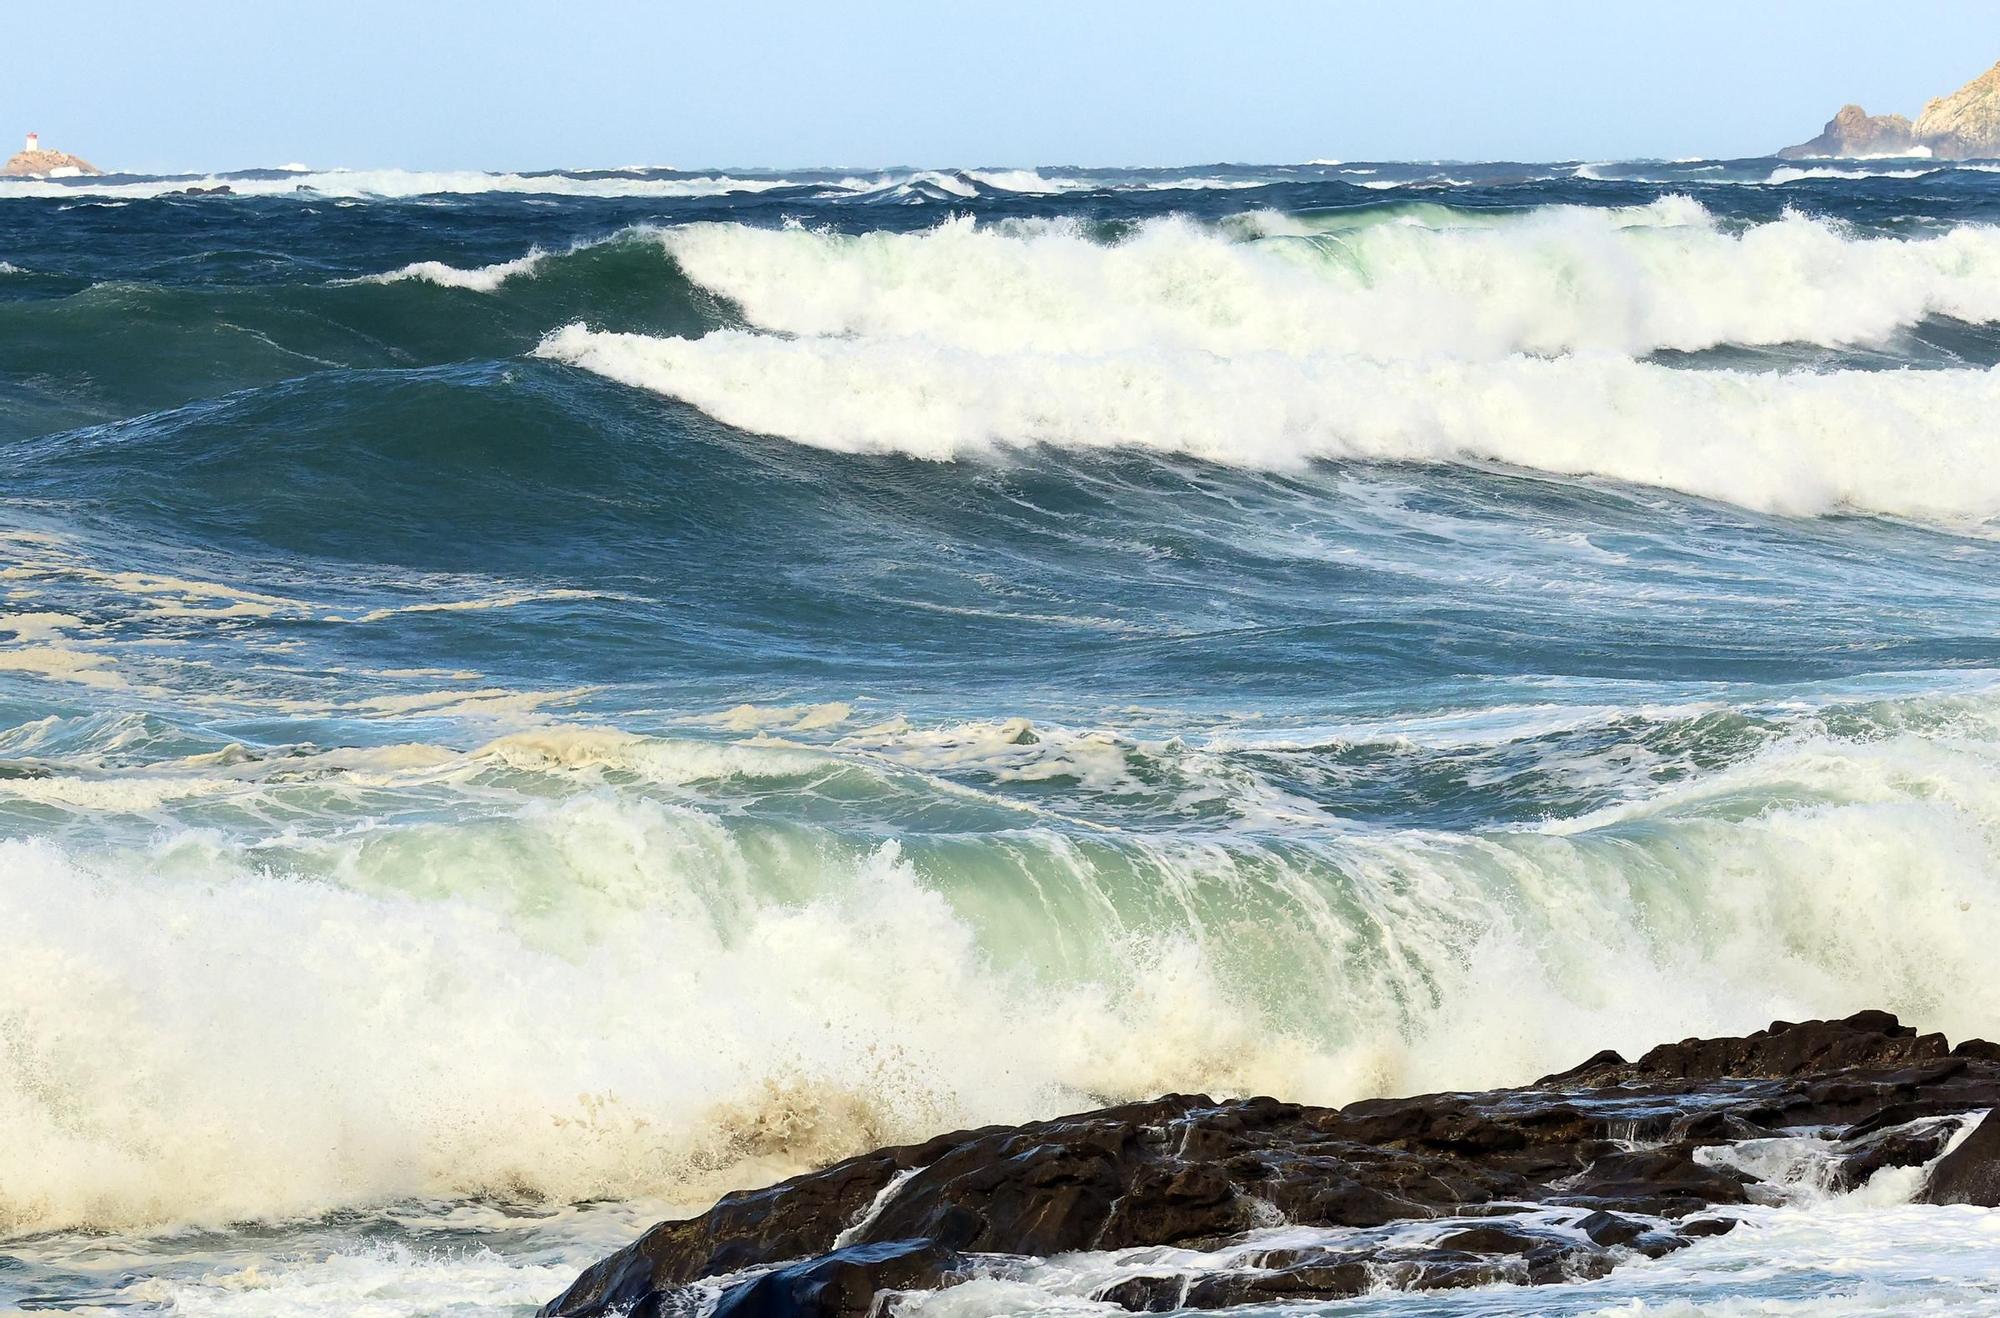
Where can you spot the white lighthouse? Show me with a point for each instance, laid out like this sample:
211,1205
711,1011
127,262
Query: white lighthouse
34,142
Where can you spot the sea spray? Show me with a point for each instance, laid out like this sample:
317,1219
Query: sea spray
608,994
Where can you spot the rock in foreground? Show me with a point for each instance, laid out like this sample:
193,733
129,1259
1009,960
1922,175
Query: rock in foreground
1970,1173
1560,1180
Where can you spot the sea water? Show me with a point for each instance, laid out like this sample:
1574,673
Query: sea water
529,701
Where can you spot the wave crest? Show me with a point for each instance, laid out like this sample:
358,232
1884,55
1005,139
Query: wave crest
1394,284
1906,443
596,992
1411,333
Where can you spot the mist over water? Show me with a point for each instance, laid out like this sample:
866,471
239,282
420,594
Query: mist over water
527,702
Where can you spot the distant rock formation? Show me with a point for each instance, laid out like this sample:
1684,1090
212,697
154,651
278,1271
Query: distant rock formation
1965,124
1962,126
1855,132
31,161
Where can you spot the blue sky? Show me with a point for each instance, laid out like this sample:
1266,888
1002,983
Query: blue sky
198,84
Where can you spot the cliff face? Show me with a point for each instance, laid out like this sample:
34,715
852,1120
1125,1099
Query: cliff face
31,164
1855,132
1965,124
1961,126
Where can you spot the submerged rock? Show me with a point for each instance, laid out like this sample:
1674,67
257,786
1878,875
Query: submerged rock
1556,1181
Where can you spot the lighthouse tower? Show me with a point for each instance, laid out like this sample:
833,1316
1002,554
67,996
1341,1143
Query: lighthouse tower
34,142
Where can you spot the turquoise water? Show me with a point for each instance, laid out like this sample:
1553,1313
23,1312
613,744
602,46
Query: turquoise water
530,701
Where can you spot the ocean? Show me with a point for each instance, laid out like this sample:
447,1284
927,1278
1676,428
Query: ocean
532,700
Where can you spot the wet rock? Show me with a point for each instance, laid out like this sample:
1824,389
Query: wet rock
1659,1244
1611,1142
1870,1039
844,1284
1898,1146
797,1218
1664,1182
1493,1240
1146,1294
1610,1229
1697,1227
1325,1276
1310,1281
1970,1173
1554,1266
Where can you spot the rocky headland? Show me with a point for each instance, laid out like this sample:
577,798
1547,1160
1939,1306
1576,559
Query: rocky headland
1561,1180
1855,132
1962,126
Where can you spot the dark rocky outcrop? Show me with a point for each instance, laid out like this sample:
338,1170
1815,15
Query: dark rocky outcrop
1865,1039
1970,1173
1560,1180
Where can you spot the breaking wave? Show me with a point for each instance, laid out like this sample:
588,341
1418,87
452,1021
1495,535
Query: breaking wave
1415,333
585,988
1914,444
1408,282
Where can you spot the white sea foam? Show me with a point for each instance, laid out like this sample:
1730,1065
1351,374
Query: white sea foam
1430,282
603,994
63,663
1026,181
377,1280
482,279
1912,444
662,1021
1828,1261
1794,174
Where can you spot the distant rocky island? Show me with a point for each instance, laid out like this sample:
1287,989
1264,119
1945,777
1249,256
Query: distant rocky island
1962,126
32,161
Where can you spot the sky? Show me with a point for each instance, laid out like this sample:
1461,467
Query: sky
189,85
